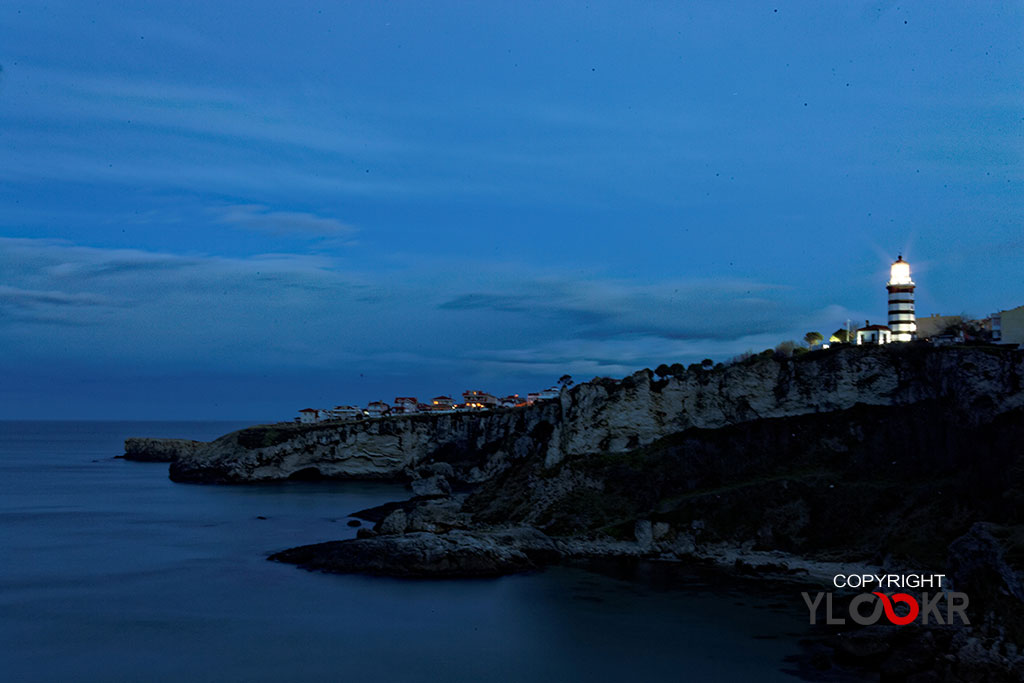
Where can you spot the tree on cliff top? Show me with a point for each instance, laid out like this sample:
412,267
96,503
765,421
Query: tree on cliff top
840,336
783,350
812,338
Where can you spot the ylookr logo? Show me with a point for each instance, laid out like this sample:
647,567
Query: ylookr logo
938,608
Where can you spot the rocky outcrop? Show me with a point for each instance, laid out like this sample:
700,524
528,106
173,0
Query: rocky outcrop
159,450
616,416
456,554
472,445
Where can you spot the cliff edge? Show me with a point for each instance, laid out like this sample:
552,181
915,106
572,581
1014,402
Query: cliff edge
607,416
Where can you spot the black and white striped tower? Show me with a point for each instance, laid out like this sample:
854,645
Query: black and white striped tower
901,302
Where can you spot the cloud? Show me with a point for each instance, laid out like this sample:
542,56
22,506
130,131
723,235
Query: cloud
188,310
227,113
603,309
51,306
99,263
60,260
70,125
14,296
256,217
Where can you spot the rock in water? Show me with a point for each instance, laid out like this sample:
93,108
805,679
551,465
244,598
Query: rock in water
432,486
457,554
159,450
395,523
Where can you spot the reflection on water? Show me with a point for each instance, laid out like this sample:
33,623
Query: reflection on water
112,572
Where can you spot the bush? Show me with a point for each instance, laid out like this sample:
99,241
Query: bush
785,349
743,357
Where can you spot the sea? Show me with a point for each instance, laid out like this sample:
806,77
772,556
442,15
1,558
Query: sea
109,571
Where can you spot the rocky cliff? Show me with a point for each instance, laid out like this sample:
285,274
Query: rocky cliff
616,416
159,450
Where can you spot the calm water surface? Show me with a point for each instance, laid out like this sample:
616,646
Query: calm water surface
112,572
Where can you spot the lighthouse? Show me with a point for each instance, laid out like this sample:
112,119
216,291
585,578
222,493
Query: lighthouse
901,302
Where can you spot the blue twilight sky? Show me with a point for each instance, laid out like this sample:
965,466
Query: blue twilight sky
214,209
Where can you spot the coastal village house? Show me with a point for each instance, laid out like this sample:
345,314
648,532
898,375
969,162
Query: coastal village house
478,400
442,403
874,334
1008,326
546,395
405,405
309,415
377,409
935,325
344,413
944,330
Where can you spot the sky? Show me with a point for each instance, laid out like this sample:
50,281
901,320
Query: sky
239,209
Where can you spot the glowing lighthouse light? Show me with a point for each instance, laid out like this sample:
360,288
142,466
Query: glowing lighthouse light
899,274
901,302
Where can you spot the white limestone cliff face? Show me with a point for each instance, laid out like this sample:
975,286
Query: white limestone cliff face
607,416
371,449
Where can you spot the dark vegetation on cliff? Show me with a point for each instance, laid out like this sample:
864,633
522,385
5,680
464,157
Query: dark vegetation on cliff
870,483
